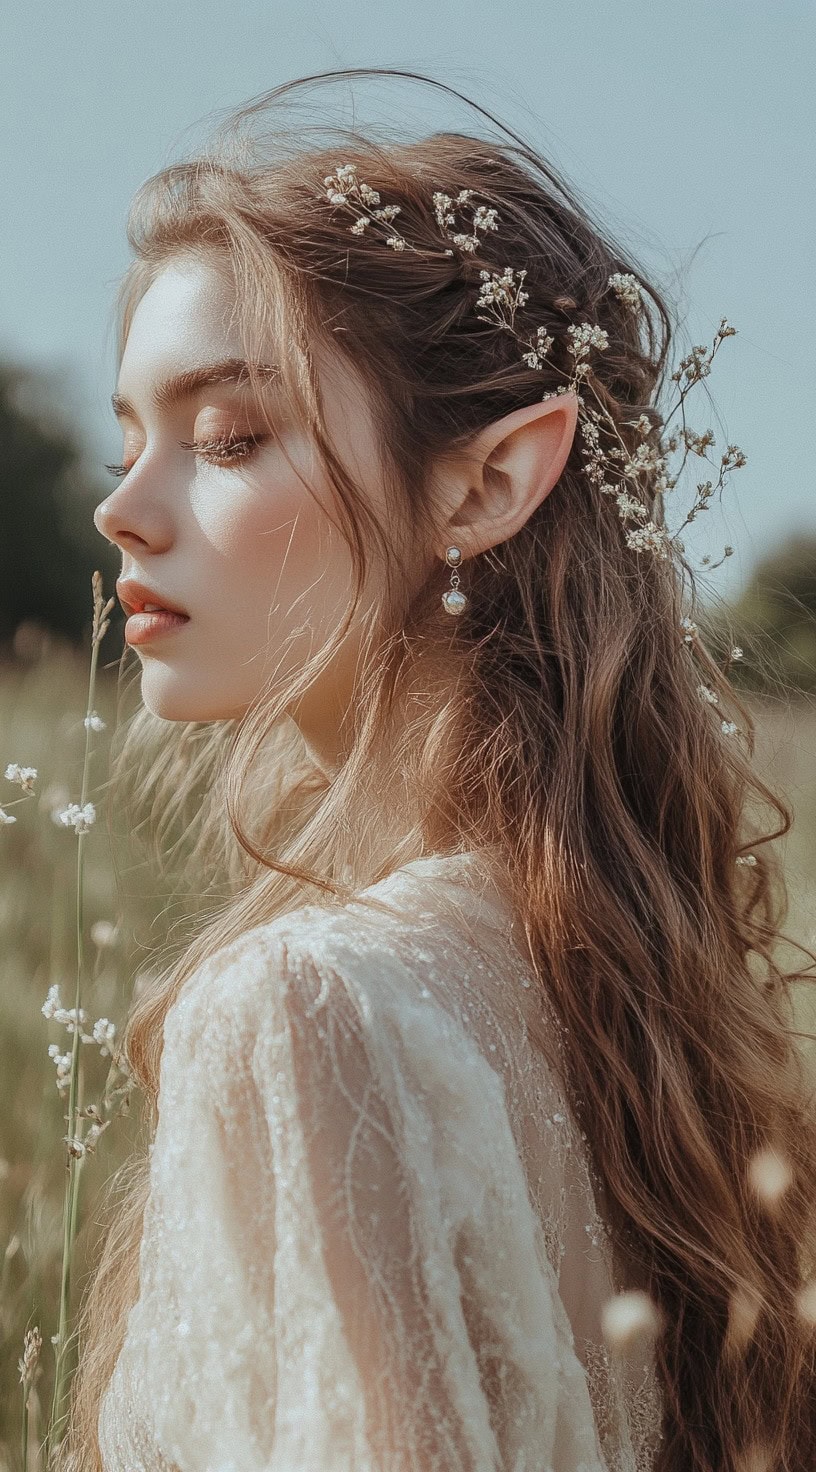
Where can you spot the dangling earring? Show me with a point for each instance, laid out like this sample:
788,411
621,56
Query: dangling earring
453,600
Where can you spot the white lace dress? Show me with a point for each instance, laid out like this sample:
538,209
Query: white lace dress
371,1242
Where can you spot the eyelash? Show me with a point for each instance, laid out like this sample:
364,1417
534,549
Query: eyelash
216,450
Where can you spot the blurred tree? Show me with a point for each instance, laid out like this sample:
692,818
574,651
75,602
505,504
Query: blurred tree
774,622
49,546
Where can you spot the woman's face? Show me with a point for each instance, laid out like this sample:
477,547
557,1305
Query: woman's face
240,545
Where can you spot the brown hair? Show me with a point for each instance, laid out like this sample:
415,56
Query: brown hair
558,720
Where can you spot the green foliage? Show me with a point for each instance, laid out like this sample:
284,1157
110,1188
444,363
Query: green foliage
49,545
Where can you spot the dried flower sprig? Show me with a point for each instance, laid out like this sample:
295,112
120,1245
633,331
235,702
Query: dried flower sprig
612,467
28,1369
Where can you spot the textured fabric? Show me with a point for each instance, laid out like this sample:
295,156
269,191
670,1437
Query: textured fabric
372,1241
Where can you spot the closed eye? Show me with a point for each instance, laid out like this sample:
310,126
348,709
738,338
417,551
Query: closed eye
226,450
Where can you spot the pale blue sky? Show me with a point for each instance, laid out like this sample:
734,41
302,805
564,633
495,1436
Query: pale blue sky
684,125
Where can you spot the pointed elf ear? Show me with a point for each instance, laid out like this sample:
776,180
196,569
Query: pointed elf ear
509,468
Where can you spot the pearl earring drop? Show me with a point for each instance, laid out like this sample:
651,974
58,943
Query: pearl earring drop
454,601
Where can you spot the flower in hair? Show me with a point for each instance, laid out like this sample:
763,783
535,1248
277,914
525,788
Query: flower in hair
610,464
627,289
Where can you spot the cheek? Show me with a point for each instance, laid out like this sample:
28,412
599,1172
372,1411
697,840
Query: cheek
275,550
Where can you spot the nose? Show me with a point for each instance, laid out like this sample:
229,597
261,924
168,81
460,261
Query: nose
130,518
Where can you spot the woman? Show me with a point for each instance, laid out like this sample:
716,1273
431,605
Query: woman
481,1049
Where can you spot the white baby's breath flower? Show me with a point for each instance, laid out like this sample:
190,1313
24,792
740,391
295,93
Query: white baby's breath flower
736,652
52,1003
729,728
689,628
649,538
748,859
539,347
63,1065
94,722
629,506
53,1009
586,335
396,242
708,695
76,1147
104,1033
626,288
6,817
79,818
26,776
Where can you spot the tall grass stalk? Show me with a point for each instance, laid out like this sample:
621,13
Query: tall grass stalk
74,1143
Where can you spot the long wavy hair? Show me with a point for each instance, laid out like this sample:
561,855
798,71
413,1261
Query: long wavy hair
558,722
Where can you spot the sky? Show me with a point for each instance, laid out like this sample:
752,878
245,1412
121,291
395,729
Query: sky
686,127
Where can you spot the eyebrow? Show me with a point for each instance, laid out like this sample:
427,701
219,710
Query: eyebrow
183,385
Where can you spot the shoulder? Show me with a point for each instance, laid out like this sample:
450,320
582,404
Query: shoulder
374,982
314,958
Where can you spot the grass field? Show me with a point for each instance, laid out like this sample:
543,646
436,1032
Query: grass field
42,705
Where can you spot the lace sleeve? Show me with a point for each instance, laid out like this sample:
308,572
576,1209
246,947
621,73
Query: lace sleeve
340,1267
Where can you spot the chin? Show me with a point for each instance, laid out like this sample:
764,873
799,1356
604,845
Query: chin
175,699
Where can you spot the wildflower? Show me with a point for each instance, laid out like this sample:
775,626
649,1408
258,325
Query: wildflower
93,1134
6,817
749,859
696,365
690,630
104,1033
63,1066
52,1008
77,817
649,538
736,652
626,288
501,294
103,934
26,776
697,443
627,1315
584,336
94,722
538,348
708,695
501,287
32,1345
629,506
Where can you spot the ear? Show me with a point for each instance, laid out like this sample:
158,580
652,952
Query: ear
505,472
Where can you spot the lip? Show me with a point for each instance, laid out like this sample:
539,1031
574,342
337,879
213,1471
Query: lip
134,595
143,628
